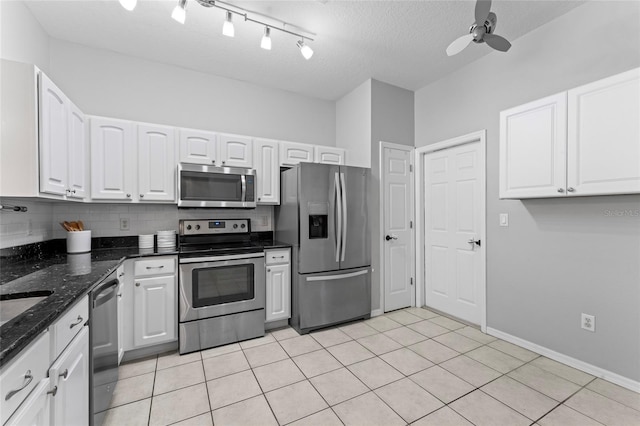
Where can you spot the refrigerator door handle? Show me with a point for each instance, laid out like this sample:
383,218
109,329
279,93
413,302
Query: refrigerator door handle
338,217
343,190
337,277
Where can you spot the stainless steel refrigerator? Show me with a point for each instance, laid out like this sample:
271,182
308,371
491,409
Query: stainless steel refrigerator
324,215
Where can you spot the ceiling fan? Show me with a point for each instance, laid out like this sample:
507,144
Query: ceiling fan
481,31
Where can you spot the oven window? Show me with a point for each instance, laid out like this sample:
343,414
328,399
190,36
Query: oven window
222,284
199,186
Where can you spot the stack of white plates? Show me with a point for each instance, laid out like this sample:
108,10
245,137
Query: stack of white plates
145,241
166,239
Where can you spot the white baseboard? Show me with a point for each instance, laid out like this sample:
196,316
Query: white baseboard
625,382
377,312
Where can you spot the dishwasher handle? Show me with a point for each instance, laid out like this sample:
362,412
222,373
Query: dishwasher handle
104,293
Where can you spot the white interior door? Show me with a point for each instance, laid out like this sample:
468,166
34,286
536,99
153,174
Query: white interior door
453,208
397,227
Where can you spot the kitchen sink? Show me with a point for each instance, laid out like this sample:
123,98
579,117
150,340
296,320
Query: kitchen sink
14,304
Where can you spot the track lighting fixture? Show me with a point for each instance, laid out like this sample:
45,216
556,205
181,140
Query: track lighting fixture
306,51
265,43
128,4
227,27
179,12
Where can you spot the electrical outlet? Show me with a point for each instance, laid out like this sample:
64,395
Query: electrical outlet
588,322
124,224
504,219
29,227
265,220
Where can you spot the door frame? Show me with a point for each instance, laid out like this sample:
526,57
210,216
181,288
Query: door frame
411,150
479,136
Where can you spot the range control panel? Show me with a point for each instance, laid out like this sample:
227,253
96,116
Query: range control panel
214,226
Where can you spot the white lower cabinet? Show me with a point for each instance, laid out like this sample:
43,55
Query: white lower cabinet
36,409
69,376
278,303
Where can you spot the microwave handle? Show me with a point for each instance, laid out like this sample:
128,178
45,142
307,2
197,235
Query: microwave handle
243,181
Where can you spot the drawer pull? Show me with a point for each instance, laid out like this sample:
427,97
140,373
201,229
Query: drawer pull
29,378
76,323
278,257
53,391
64,374
155,267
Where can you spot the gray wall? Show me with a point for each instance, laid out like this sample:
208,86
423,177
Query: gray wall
22,38
353,125
392,120
559,257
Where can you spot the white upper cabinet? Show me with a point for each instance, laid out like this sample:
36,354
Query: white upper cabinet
533,149
113,159
236,151
329,155
156,163
78,171
199,147
54,122
292,153
604,136
582,142
266,161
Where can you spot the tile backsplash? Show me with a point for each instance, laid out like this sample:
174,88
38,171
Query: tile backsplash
42,220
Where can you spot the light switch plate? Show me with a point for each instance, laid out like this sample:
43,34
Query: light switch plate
504,219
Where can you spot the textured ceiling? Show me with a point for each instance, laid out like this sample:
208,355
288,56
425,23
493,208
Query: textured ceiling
399,42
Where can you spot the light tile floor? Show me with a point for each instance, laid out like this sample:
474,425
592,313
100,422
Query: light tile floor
409,366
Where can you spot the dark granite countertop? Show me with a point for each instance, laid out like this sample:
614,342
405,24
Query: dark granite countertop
69,277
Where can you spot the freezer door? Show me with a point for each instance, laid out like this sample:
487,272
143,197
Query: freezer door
319,220
356,243
334,297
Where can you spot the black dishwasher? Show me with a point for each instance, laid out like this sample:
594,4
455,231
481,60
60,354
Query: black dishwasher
103,338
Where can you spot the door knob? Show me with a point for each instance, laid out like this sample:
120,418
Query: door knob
476,242
389,237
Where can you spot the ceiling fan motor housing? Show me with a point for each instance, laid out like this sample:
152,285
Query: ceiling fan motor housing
487,28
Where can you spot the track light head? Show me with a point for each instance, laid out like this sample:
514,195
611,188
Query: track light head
227,27
306,51
179,12
266,39
128,4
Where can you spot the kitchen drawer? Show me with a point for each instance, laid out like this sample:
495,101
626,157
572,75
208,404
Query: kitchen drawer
277,256
163,266
65,329
26,370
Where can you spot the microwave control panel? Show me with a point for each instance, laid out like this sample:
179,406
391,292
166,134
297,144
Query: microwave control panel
214,226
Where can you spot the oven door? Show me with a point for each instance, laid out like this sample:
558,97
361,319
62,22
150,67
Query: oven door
209,186
221,285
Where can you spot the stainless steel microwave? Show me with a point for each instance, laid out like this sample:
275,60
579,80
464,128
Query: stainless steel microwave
210,186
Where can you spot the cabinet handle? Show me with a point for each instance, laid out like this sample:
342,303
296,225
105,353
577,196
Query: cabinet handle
64,374
155,267
128,195
560,190
74,191
137,284
29,378
141,195
79,320
53,391
223,161
121,274
278,257
213,161
269,270
570,189
259,198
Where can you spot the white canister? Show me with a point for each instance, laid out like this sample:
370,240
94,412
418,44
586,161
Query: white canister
78,242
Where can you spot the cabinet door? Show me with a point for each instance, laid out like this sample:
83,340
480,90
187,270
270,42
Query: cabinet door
604,136
70,374
54,109
278,292
36,409
154,316
156,163
533,140
236,151
199,147
267,171
78,153
113,159
292,153
329,155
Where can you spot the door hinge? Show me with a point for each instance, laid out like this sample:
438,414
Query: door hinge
410,224
411,280
410,168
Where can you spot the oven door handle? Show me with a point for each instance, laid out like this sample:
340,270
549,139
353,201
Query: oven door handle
220,258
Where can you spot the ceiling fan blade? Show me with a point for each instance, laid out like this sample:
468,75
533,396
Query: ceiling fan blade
483,7
497,42
459,44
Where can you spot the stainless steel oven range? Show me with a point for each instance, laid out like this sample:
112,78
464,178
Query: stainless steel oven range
221,284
